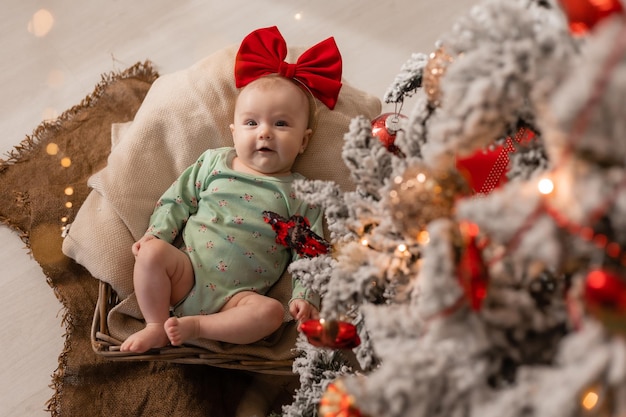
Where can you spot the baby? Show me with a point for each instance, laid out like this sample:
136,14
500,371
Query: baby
215,284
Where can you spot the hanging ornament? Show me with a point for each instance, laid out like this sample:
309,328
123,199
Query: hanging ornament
433,72
422,194
337,402
605,298
332,334
385,127
485,170
472,271
583,15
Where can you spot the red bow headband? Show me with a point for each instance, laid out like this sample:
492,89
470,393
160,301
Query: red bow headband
263,52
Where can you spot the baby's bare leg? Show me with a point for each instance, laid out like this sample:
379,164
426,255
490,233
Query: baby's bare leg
163,275
246,318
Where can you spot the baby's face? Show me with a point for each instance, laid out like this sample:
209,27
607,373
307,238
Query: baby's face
270,126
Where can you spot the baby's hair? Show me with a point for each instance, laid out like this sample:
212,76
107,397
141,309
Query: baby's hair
313,107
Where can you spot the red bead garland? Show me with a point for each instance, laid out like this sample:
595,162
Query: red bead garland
612,249
605,298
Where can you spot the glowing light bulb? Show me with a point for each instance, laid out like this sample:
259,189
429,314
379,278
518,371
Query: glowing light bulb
364,242
590,400
402,247
545,186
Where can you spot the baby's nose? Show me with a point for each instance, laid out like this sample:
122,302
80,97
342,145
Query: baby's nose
264,132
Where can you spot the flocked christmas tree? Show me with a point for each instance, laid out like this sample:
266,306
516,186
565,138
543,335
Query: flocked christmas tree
479,266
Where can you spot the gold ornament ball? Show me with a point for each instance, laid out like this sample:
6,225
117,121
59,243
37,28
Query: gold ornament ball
422,194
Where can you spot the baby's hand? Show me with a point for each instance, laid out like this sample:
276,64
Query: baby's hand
302,310
144,239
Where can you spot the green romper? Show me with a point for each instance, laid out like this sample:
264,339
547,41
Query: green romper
231,247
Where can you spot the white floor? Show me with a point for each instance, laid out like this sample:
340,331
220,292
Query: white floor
52,54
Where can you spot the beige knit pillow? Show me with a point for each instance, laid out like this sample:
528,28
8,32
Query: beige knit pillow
183,114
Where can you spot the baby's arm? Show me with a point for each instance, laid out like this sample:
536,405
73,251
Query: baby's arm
178,202
302,310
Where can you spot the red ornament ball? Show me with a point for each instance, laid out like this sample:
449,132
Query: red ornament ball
332,334
583,15
605,298
385,127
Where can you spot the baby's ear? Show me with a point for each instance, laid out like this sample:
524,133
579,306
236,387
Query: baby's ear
305,139
232,128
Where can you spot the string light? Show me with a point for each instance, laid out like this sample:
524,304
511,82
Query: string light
590,400
423,237
545,186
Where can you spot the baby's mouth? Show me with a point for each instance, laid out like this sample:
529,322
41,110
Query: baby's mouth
265,149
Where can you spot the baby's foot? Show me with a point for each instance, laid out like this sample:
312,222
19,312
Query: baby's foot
180,330
152,336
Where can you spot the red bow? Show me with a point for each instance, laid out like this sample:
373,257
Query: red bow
263,52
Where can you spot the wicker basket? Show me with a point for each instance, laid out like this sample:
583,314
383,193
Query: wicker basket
105,345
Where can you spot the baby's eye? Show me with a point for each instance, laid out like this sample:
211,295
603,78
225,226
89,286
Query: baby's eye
281,123
250,123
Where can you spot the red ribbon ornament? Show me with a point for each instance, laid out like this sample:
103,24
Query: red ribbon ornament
263,52
485,170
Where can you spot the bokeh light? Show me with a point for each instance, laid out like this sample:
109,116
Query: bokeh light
55,78
545,185
41,23
49,113
590,400
52,149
